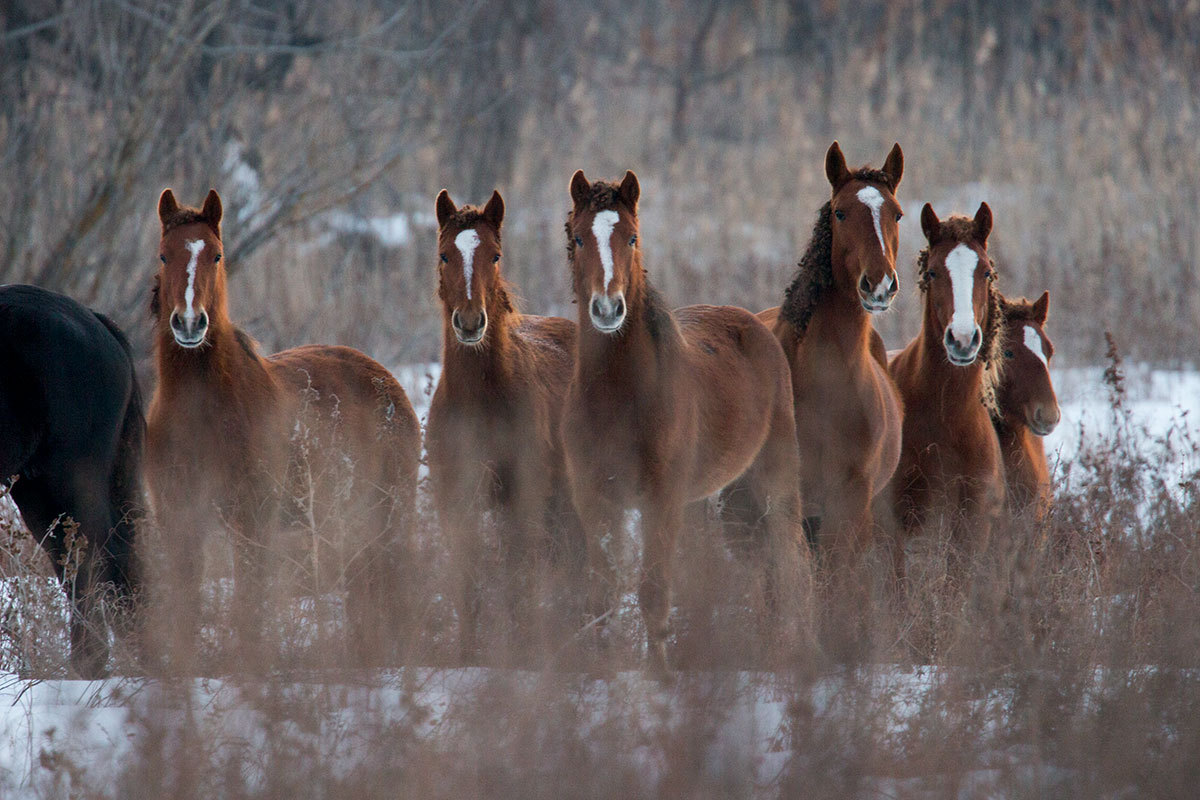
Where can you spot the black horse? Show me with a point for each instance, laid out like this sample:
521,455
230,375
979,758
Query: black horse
71,435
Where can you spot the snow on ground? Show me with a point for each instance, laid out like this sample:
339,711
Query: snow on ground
1161,404
93,726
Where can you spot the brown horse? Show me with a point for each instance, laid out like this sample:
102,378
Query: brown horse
1026,406
950,465
848,412
492,432
665,408
234,434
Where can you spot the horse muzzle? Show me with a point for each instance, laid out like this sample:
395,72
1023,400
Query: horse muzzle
879,297
962,353
469,327
189,333
607,313
1044,419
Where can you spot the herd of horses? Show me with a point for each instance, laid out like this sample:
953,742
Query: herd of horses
815,437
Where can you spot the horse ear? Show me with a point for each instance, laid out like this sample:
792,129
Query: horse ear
930,224
581,190
894,166
212,210
630,190
493,212
835,167
168,206
445,208
983,223
1041,308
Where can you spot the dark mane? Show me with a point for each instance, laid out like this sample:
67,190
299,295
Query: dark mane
962,229
467,217
184,216
1018,310
815,273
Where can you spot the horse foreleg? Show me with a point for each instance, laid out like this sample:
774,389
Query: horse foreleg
662,519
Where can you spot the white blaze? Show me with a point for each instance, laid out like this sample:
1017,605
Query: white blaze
189,295
873,199
602,228
1033,341
961,265
466,242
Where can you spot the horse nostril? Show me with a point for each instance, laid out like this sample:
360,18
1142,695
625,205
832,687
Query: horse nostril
977,339
894,287
596,312
454,320
175,322
864,285
202,322
619,311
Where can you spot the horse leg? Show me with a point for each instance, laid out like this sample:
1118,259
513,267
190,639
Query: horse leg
601,518
662,520
376,573
71,521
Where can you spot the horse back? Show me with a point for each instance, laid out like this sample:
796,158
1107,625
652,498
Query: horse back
741,382
53,352
341,383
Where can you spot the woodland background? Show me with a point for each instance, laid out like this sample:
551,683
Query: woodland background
329,126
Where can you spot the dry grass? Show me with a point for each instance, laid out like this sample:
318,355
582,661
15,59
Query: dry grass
1064,663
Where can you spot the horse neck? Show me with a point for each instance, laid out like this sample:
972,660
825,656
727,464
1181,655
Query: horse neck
490,362
217,368
840,319
646,342
949,382
1024,457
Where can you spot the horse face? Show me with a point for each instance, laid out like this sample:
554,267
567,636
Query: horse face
866,230
468,263
603,246
1026,391
957,277
191,278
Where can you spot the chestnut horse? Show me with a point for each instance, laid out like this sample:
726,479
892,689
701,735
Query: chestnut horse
848,412
1026,406
665,408
950,464
246,437
492,431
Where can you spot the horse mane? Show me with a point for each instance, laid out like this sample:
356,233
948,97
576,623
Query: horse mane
468,216
962,229
815,273
1018,309
183,216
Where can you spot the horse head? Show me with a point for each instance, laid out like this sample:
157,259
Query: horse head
602,243
866,231
468,263
190,289
1025,392
956,276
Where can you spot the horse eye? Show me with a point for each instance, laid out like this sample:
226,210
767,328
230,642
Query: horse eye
898,216
931,273
633,240
162,259
840,214
442,256
216,258
495,258
579,241
1008,354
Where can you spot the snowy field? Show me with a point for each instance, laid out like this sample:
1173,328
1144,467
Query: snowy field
65,738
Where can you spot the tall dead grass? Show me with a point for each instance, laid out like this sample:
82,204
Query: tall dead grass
1064,663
